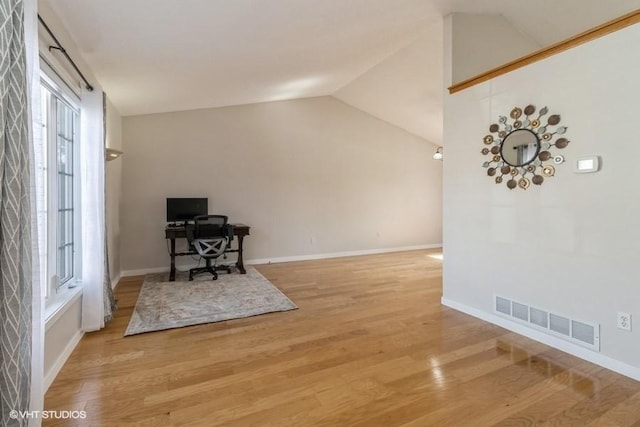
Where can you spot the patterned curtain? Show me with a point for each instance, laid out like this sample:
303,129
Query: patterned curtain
15,218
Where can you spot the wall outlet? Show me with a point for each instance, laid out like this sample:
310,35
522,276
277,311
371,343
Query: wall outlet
624,321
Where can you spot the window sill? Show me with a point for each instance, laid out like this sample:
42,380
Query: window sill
54,310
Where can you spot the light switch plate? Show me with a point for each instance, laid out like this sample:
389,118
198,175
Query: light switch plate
587,164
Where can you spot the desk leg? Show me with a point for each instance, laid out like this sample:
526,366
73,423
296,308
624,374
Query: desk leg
240,262
172,273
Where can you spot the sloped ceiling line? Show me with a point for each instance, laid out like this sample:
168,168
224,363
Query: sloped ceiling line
163,56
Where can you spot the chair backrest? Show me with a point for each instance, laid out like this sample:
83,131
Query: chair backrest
210,226
210,235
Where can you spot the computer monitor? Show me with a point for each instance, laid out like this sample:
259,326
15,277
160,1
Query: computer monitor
181,209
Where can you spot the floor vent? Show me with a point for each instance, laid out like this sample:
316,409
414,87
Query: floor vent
584,334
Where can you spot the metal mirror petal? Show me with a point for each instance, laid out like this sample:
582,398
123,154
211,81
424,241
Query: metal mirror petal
522,146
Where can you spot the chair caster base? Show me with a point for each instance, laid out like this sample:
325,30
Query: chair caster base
214,275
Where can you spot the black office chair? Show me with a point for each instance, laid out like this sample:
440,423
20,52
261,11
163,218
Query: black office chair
209,236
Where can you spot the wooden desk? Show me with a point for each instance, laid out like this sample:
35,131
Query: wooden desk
173,233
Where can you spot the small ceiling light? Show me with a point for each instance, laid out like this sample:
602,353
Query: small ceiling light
112,154
438,154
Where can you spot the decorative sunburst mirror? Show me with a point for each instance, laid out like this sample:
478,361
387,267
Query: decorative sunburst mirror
521,146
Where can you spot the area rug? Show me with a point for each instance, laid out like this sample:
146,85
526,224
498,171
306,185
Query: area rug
166,305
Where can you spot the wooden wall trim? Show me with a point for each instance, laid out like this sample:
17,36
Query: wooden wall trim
591,34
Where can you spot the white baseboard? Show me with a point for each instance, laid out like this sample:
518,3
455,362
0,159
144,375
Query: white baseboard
340,254
560,344
61,360
115,281
141,272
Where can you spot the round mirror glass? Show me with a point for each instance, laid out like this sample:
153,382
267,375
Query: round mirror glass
520,147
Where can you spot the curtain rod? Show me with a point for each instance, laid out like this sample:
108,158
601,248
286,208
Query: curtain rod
64,52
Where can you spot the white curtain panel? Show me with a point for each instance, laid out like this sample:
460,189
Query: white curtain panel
108,297
93,208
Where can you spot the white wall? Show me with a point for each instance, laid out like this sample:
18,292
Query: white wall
63,330
62,334
312,176
571,245
113,183
406,88
483,42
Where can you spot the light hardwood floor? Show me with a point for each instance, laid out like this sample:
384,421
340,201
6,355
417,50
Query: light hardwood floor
370,345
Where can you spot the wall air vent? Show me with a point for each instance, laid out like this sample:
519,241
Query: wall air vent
520,311
578,332
582,332
539,317
560,324
503,306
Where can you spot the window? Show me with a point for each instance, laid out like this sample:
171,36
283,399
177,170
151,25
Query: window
58,188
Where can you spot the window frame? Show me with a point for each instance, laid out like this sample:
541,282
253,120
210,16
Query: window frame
60,92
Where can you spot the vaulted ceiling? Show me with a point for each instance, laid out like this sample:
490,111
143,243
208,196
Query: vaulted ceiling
382,56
